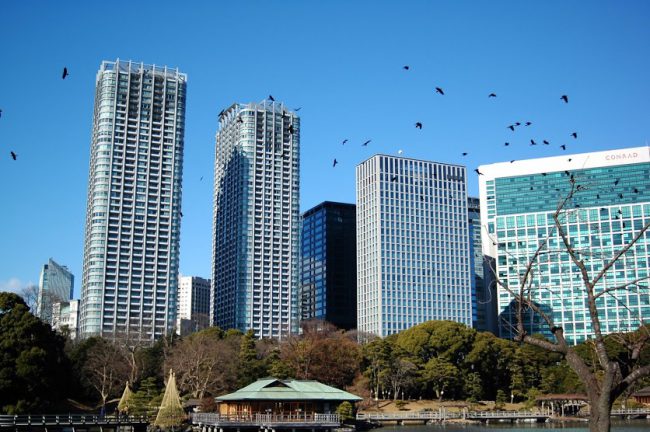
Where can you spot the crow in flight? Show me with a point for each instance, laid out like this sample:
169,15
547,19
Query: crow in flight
532,142
271,98
511,127
13,155
439,90
406,67
393,178
65,73
366,143
507,144
492,95
464,153
478,172
546,142
344,141
418,125
574,135
563,147
297,109
565,98
334,164
291,130
528,123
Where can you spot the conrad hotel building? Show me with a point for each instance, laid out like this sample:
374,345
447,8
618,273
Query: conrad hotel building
611,204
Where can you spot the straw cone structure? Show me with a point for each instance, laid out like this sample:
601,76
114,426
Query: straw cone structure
171,411
125,400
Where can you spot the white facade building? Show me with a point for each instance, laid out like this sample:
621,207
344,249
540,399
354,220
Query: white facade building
413,249
131,247
193,304
65,317
611,204
256,225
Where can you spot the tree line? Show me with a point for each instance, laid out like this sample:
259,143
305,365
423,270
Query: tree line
43,371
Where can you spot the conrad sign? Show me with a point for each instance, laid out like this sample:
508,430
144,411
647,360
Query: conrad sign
621,156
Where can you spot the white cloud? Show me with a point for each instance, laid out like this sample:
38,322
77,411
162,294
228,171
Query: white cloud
14,285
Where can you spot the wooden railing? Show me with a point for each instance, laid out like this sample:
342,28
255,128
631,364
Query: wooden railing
261,419
68,419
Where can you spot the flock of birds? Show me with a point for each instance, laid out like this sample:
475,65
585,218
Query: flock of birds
64,75
512,127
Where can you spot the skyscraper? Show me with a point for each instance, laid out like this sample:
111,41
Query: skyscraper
412,244
56,284
130,270
256,220
611,204
328,273
193,304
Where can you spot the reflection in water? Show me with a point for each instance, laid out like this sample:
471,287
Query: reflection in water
617,426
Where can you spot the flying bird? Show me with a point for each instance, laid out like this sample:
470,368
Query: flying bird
546,142
366,143
464,153
297,109
334,164
478,172
492,95
291,130
616,181
565,98
544,174
532,142
528,123
13,155
574,134
507,144
180,213
439,90
512,161
271,98
569,160
511,127
563,147
344,141
0,113
239,120
65,73
393,178
406,67
201,179
418,125
636,190
517,124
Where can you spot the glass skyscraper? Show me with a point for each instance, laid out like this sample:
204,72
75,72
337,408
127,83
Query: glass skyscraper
328,275
56,284
256,224
130,269
413,249
611,204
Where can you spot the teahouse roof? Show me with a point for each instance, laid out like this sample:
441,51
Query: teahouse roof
643,392
288,390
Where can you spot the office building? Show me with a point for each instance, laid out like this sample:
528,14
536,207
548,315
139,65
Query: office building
193,304
328,275
413,249
611,202
130,267
256,224
65,317
55,284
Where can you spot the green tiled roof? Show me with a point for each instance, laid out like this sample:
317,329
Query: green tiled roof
275,389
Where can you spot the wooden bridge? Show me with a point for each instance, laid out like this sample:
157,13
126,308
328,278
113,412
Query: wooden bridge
630,413
213,422
74,422
442,415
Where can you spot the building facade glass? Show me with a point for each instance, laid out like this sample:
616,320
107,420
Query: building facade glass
413,250
328,278
56,284
131,247
256,224
611,203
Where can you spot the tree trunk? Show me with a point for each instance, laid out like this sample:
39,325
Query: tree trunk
599,416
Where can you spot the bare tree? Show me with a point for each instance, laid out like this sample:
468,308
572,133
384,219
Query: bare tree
106,368
30,296
610,376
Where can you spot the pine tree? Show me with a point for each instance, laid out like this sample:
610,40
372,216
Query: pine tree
171,411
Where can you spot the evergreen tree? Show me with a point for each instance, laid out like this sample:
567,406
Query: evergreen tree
250,366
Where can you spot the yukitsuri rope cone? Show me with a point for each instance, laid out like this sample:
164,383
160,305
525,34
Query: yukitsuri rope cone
125,401
171,411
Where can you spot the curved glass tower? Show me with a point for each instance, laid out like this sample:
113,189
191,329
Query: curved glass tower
130,269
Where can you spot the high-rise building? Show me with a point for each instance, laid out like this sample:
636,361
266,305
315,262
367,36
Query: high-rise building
130,268
328,274
483,299
256,225
193,304
611,203
65,317
56,284
413,249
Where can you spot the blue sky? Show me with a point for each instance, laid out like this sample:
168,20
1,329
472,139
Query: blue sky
341,61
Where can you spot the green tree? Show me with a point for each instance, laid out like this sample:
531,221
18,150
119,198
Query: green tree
473,387
441,375
345,411
146,399
33,365
251,367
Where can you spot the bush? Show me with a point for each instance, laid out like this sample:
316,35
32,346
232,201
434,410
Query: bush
345,411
